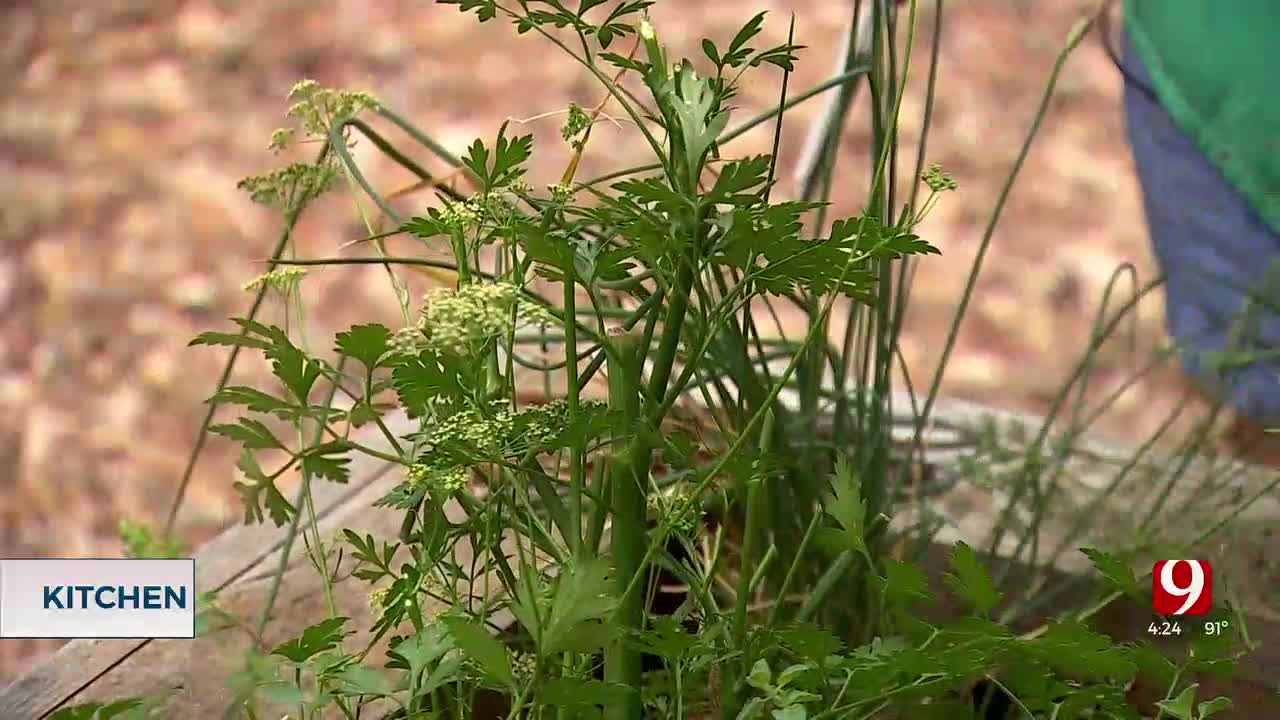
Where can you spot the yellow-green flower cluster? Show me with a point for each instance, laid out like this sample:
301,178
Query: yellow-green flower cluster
280,138
462,214
291,187
378,600
677,508
281,279
435,478
457,320
546,422
319,108
523,664
408,341
560,192
470,429
475,312
937,180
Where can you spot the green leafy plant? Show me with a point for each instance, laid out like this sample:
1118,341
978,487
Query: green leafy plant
756,472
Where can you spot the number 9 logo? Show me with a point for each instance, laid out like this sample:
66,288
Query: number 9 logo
1182,587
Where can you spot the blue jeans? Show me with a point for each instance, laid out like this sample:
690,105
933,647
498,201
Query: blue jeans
1216,254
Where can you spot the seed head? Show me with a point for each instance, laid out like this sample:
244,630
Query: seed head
937,180
319,108
282,279
291,187
576,122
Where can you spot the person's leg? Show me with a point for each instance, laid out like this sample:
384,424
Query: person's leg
1212,247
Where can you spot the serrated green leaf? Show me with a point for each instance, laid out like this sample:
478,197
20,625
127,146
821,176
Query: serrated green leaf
653,190
1153,664
485,9
254,400
700,123
322,636
551,252
867,235
665,638
361,680
328,461
1074,650
782,56
809,641
417,653
486,650
364,413
295,369
366,343
426,227
583,597
501,166
741,181
1118,572
229,340
848,507
250,433
422,379
904,583
969,580
259,493
765,241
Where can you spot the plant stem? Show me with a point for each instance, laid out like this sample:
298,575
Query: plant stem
755,490
576,469
627,541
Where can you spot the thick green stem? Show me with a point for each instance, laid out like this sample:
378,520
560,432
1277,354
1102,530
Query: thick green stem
627,541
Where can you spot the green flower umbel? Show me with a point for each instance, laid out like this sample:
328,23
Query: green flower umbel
462,320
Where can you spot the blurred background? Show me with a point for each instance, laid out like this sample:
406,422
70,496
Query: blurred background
125,125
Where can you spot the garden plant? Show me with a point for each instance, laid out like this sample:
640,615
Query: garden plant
606,408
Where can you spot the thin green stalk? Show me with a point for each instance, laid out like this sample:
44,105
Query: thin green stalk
746,566
796,561
304,490
1078,31
202,435
576,468
825,585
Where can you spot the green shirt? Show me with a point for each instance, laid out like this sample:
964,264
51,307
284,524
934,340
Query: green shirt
1215,65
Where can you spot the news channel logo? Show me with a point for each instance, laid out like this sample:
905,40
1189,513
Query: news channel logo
1182,587
98,598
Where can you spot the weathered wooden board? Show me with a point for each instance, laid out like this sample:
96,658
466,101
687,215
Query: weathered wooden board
192,674
236,564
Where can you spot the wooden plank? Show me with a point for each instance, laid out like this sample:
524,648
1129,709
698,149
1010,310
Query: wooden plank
191,675
219,563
